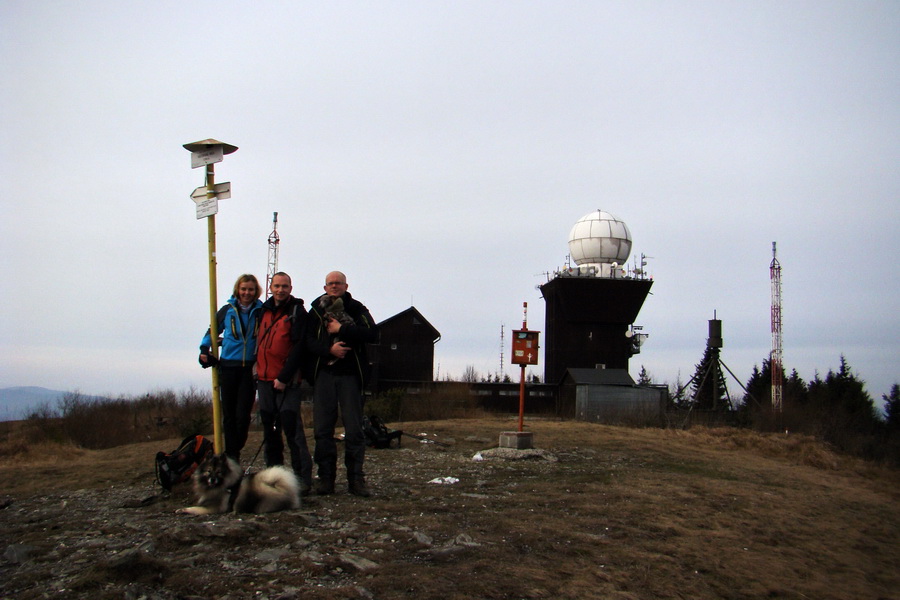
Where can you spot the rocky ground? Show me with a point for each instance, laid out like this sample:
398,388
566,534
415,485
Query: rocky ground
124,540
593,513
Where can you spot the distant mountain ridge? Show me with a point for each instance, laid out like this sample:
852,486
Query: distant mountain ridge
17,402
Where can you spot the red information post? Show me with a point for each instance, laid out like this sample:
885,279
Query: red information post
525,347
524,352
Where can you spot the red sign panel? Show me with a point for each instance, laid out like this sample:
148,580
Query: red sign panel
525,347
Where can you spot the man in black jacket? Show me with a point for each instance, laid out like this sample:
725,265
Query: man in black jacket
339,372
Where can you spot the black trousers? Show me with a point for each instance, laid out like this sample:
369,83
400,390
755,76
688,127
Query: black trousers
237,393
280,412
335,392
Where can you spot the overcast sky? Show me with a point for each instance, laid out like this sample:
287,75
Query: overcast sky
439,153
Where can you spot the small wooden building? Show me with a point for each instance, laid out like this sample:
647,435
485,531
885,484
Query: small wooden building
405,354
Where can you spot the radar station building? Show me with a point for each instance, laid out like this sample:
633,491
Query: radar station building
591,306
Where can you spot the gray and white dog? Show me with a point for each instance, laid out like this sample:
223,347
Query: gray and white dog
221,487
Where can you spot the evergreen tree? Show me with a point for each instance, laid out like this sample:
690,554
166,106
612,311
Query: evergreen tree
644,377
750,407
757,410
892,409
795,390
891,437
759,387
710,390
796,414
848,394
676,395
758,395
842,411
817,393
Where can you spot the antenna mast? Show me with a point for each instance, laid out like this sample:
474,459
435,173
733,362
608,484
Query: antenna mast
274,240
776,357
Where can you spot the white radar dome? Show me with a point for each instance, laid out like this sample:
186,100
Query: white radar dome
599,238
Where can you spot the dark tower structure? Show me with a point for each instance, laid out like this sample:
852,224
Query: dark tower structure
591,307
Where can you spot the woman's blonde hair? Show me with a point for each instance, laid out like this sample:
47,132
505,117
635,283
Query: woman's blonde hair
244,278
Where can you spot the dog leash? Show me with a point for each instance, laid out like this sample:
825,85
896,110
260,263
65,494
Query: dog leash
278,394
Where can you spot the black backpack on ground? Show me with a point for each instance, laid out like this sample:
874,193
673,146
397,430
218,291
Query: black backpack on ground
377,433
178,465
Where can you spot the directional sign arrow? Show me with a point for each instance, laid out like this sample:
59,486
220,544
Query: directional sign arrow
221,191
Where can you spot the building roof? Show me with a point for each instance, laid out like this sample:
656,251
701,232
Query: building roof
598,377
417,319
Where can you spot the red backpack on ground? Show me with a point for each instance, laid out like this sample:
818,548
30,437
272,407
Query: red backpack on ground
178,465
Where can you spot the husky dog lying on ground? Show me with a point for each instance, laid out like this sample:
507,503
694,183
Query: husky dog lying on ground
334,309
221,486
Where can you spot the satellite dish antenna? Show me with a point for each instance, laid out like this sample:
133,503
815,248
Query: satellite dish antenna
629,333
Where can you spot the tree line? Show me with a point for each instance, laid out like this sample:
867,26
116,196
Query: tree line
836,409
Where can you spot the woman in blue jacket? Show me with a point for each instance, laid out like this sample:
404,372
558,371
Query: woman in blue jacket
238,322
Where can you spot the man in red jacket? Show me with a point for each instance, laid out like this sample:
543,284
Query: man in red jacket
282,327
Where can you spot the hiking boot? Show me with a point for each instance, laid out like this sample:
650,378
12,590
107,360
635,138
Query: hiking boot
305,488
358,487
324,486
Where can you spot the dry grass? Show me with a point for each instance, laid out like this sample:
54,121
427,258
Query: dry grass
623,513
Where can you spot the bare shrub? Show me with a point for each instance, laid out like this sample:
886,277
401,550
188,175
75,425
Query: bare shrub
43,425
194,413
13,447
155,410
12,439
20,442
163,414
388,405
97,423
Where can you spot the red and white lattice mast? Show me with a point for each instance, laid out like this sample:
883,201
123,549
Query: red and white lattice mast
273,254
776,357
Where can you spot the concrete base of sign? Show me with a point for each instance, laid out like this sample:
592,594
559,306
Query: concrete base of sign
520,440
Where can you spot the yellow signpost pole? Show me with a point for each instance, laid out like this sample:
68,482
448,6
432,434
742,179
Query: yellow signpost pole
207,153
218,438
